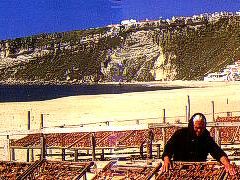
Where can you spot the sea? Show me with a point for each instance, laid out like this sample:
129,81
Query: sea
27,93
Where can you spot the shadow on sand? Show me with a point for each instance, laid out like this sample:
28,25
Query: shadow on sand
25,93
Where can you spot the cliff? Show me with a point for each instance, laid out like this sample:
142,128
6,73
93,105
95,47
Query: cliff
185,48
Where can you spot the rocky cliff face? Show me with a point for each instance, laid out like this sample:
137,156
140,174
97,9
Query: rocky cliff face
183,48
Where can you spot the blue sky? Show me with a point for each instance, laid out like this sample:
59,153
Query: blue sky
19,18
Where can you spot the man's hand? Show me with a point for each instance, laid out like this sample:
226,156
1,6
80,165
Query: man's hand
230,169
166,164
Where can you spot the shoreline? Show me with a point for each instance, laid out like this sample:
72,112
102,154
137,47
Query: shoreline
35,92
152,83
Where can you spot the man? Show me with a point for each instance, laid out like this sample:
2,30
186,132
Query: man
194,143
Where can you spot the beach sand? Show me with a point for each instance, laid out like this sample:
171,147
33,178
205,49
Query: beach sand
124,109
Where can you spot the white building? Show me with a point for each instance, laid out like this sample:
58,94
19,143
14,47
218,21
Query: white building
128,22
216,77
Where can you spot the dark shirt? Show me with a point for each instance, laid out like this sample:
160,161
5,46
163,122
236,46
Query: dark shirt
184,145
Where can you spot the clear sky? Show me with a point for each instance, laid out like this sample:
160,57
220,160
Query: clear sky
19,18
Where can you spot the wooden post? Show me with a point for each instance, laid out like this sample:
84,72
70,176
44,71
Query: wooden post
137,121
76,155
29,120
13,154
102,155
163,129
158,151
217,136
32,155
141,150
215,128
213,112
6,149
164,116
41,122
189,107
149,144
28,155
93,147
43,148
29,126
63,154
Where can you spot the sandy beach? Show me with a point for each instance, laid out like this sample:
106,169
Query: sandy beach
116,108
126,108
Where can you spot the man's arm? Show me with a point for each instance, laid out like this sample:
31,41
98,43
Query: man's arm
168,152
228,166
221,156
166,164
170,146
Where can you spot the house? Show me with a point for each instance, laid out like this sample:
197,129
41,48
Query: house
216,77
128,22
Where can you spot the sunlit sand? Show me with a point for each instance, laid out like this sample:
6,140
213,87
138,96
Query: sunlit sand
123,109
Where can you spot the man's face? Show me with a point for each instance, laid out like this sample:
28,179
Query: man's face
199,127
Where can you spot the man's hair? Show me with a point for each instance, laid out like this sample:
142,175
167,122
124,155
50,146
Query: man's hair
195,117
198,117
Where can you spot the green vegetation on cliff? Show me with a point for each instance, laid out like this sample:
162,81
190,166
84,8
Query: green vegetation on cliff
207,49
184,49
